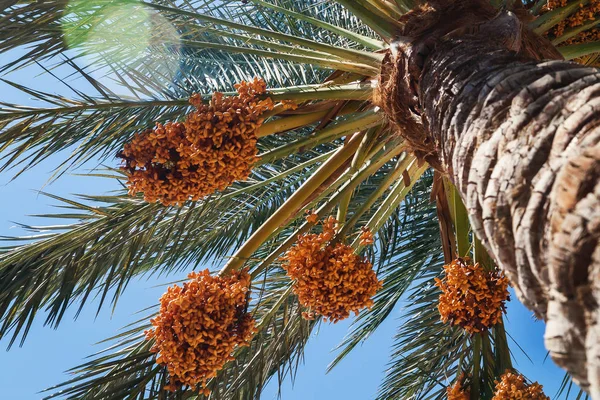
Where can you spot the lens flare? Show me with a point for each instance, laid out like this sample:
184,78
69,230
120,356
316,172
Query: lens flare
126,33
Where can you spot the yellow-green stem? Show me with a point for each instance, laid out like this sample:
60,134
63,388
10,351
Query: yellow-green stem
488,361
573,51
391,202
293,203
357,161
278,109
386,27
546,21
289,122
377,193
481,256
392,149
572,32
334,131
333,63
341,180
503,359
323,91
295,121
283,174
462,225
390,9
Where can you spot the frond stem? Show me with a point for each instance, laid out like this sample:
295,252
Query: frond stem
391,202
353,91
364,40
347,54
376,20
572,32
357,161
356,123
544,22
392,149
579,50
343,65
296,121
292,203
400,167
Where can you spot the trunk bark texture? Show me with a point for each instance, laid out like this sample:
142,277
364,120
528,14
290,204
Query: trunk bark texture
520,139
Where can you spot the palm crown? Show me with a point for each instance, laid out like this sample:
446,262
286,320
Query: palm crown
322,144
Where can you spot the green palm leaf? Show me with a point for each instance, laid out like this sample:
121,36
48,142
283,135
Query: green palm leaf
407,244
117,238
156,53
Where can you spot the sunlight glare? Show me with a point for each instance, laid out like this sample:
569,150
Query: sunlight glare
125,34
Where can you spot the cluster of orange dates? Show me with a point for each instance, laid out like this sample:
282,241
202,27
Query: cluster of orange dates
199,326
471,297
585,13
513,386
366,237
591,35
330,279
458,391
214,147
552,4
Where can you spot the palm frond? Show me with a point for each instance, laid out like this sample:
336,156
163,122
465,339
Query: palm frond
116,238
127,369
91,127
426,352
407,244
216,46
276,350
161,51
97,127
45,24
308,22
568,390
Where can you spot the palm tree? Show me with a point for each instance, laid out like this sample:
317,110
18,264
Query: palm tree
386,92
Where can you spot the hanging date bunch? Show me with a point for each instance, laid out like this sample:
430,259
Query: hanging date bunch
330,279
471,297
513,386
585,14
458,391
199,325
214,147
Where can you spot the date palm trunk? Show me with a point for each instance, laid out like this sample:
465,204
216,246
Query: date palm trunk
519,137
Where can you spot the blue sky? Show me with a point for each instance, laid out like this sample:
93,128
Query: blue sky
47,353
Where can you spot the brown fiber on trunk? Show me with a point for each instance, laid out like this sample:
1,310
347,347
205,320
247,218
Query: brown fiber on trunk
519,137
